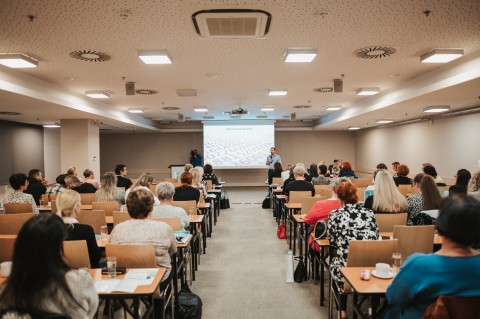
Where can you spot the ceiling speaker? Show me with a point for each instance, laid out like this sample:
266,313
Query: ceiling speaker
338,86
130,88
181,117
293,117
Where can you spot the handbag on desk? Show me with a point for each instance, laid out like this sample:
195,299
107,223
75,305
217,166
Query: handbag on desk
224,201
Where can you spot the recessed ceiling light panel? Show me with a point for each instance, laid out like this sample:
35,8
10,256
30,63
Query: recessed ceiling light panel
136,110
333,108
384,121
155,57
51,125
368,91
18,61
441,55
436,109
277,92
354,128
200,109
267,109
97,94
300,55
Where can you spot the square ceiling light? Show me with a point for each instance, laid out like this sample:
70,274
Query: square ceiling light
201,109
97,94
384,121
368,91
267,108
277,92
155,57
333,108
300,55
354,128
441,55
18,61
51,125
436,109
136,110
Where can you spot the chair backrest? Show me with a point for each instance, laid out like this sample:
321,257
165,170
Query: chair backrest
10,224
414,239
295,196
108,207
7,244
405,189
94,218
307,203
87,199
361,182
132,255
361,194
277,180
75,253
153,189
174,222
53,206
171,180
453,307
323,191
120,217
18,208
49,198
209,184
189,206
386,222
366,253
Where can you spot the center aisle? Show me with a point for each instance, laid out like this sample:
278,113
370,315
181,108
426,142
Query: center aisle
243,273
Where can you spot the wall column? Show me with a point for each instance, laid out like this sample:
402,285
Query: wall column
80,146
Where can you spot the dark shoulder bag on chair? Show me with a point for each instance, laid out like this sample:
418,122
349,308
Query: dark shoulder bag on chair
300,272
224,201
320,230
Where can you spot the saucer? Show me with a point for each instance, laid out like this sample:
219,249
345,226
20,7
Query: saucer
388,276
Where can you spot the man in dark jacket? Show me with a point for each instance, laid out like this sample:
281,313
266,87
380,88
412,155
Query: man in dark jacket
121,171
36,185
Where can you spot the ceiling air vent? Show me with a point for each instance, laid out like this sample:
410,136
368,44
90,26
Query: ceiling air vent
324,89
232,23
170,108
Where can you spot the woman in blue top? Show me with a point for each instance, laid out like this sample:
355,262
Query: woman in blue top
454,270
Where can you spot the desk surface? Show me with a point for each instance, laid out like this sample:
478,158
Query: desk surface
293,205
141,290
196,218
281,196
203,205
186,243
298,218
373,286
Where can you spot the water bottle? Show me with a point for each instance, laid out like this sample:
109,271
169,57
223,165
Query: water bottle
289,267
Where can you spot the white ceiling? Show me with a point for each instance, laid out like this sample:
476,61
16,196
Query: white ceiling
246,68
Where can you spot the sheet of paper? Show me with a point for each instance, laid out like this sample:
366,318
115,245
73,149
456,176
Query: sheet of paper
142,276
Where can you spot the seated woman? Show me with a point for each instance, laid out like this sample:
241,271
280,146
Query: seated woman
351,222
428,199
277,172
109,192
40,283
450,271
387,198
165,193
429,169
474,186
208,174
322,178
402,175
186,191
461,183
72,182
68,206
346,170
197,175
142,230
144,181
19,183
90,178
187,167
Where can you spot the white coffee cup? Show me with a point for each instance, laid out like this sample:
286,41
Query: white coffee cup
382,269
5,268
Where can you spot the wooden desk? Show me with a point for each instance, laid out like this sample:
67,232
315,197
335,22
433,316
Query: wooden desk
46,208
371,290
179,262
206,209
278,200
194,221
324,245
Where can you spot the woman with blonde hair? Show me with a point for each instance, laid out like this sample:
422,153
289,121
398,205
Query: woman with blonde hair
109,192
68,206
387,198
197,176
144,181
73,182
187,167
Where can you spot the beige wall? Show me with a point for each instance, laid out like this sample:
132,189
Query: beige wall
449,143
51,146
155,152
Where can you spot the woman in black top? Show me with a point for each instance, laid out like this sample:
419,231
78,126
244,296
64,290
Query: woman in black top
277,172
77,185
208,174
402,176
461,183
68,206
186,191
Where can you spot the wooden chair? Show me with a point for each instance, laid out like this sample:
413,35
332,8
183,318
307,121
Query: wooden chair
120,217
171,180
87,199
94,218
49,198
405,189
361,194
209,184
132,255
277,181
7,244
307,203
153,189
361,182
363,253
295,196
386,222
173,222
18,208
189,206
75,253
53,206
108,207
414,239
10,224
453,307
323,191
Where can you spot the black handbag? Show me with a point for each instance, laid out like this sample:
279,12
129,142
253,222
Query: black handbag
224,201
189,305
300,272
320,230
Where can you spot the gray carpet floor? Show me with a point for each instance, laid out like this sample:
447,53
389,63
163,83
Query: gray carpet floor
243,273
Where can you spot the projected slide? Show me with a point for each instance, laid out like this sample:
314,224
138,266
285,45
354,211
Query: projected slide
237,146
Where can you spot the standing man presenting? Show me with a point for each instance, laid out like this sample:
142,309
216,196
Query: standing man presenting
271,160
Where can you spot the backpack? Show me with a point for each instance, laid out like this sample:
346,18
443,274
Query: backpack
189,305
266,202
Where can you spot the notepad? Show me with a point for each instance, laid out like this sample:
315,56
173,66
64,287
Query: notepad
129,283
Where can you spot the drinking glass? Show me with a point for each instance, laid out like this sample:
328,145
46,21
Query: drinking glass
41,201
396,262
104,232
112,266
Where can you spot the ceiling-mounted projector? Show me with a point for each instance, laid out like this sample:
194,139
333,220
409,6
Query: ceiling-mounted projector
239,111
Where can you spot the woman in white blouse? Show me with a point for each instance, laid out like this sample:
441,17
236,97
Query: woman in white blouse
19,183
